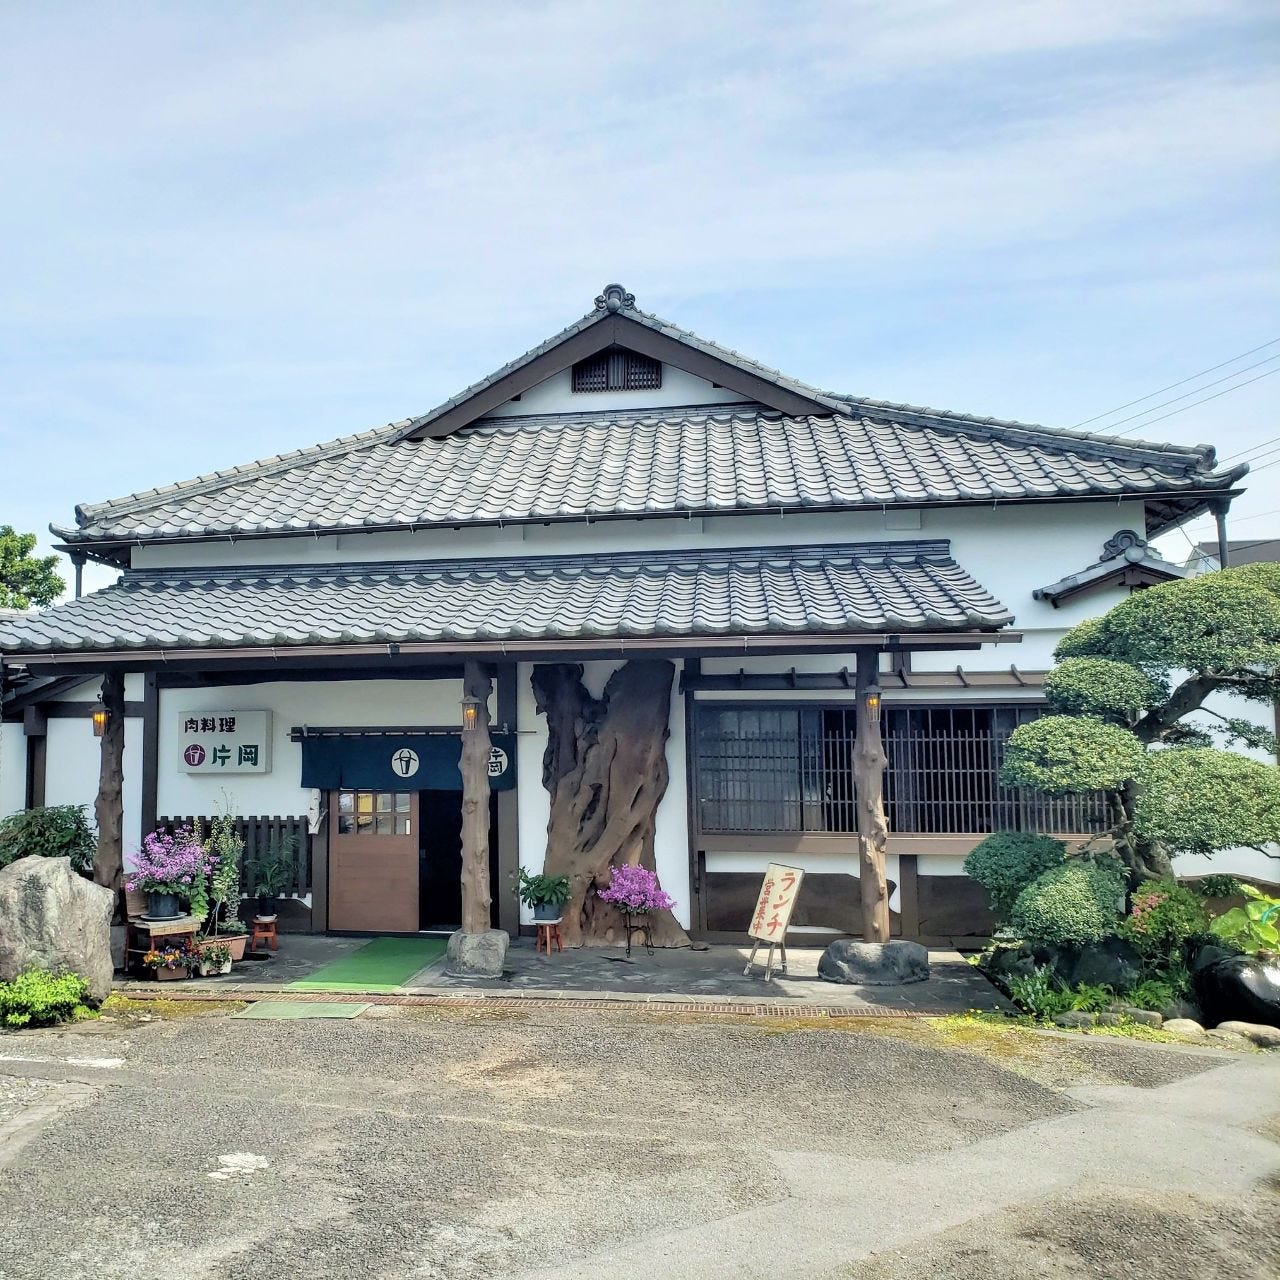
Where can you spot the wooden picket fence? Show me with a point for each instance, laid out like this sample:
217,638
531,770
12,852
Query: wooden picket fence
259,834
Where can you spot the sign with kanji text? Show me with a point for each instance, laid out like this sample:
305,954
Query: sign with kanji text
777,898
221,742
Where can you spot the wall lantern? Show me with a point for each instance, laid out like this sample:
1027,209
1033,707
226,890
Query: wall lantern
100,717
470,714
871,704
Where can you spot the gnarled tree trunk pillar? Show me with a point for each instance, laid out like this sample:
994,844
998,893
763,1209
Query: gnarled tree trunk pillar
606,769
474,764
108,808
873,827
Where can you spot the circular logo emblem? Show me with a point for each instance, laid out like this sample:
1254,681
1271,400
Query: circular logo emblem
497,762
404,763
194,755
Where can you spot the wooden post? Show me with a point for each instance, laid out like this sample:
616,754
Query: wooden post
873,827
475,804
108,861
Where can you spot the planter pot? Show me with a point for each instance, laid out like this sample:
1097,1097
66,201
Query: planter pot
170,975
547,910
208,967
267,905
162,906
235,941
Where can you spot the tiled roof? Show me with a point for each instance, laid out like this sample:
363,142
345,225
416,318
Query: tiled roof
867,587
694,460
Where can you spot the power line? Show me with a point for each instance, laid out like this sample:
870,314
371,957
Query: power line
1142,413
1224,392
1256,516
1250,448
1181,382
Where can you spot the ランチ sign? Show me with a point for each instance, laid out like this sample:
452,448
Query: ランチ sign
777,898
224,742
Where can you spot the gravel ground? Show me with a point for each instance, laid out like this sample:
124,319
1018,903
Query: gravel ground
474,1143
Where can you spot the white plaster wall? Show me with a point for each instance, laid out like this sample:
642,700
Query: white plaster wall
671,828
556,395
73,759
426,703
13,768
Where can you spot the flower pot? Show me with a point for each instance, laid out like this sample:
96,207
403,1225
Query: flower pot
170,975
162,906
547,910
210,967
267,905
235,941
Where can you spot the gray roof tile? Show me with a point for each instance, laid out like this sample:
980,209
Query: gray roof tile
865,587
739,458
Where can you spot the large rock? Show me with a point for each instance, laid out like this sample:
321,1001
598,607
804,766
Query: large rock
1240,988
874,964
477,955
1110,963
1263,1037
51,918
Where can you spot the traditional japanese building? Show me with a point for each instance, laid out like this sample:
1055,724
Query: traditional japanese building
669,561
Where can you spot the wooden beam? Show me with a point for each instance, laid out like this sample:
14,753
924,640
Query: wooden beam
150,752
474,765
508,811
869,762
108,861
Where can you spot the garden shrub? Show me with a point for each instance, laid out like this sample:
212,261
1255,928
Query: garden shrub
1042,995
1163,917
1075,903
1006,862
37,998
57,831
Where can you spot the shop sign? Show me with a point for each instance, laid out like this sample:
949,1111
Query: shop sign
777,899
221,742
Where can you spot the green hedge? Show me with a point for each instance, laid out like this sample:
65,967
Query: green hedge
1006,862
58,831
1077,903
37,998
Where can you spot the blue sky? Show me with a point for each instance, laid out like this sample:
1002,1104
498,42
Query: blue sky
229,231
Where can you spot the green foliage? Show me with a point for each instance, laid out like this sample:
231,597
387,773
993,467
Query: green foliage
1156,993
38,998
536,890
57,831
26,579
1041,995
271,872
1066,754
1077,902
1254,927
1103,688
1219,886
1086,640
1199,800
224,849
1006,862
1163,917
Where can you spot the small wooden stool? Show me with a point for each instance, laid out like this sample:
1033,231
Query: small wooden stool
263,930
548,933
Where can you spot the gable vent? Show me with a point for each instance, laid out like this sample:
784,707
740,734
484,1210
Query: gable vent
617,370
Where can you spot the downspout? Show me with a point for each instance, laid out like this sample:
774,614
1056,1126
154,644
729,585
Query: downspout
1224,547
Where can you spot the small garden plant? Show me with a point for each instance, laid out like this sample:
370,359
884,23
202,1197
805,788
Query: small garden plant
635,890
56,831
538,890
175,864
38,998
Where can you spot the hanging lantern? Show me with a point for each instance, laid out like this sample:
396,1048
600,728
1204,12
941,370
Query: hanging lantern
871,705
100,717
470,714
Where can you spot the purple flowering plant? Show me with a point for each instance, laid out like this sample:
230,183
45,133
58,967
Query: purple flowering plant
635,890
174,864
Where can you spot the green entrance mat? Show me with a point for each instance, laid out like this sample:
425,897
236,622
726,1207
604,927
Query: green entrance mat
381,966
300,1009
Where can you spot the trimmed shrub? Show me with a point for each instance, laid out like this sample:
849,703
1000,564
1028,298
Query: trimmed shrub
1075,903
1163,917
58,831
37,998
1006,862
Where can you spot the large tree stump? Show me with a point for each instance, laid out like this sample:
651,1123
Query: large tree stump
474,766
108,808
606,769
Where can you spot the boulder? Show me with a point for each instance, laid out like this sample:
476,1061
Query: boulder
1228,1039
1075,1019
874,964
1240,988
1179,1008
1009,962
1110,963
1148,1017
1263,1037
477,955
1184,1029
51,918
1207,954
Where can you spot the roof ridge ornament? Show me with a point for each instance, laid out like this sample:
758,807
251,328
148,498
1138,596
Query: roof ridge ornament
615,298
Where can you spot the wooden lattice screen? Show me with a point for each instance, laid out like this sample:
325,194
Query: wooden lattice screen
259,834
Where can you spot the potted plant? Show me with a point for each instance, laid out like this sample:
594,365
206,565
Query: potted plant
170,868
224,848
271,873
172,961
634,891
215,956
545,894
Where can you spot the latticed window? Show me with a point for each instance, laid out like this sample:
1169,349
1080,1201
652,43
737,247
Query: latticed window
617,370
789,769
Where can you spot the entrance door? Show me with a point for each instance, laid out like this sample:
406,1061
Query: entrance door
373,861
440,862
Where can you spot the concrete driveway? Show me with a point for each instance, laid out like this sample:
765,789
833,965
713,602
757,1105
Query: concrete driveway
563,1143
